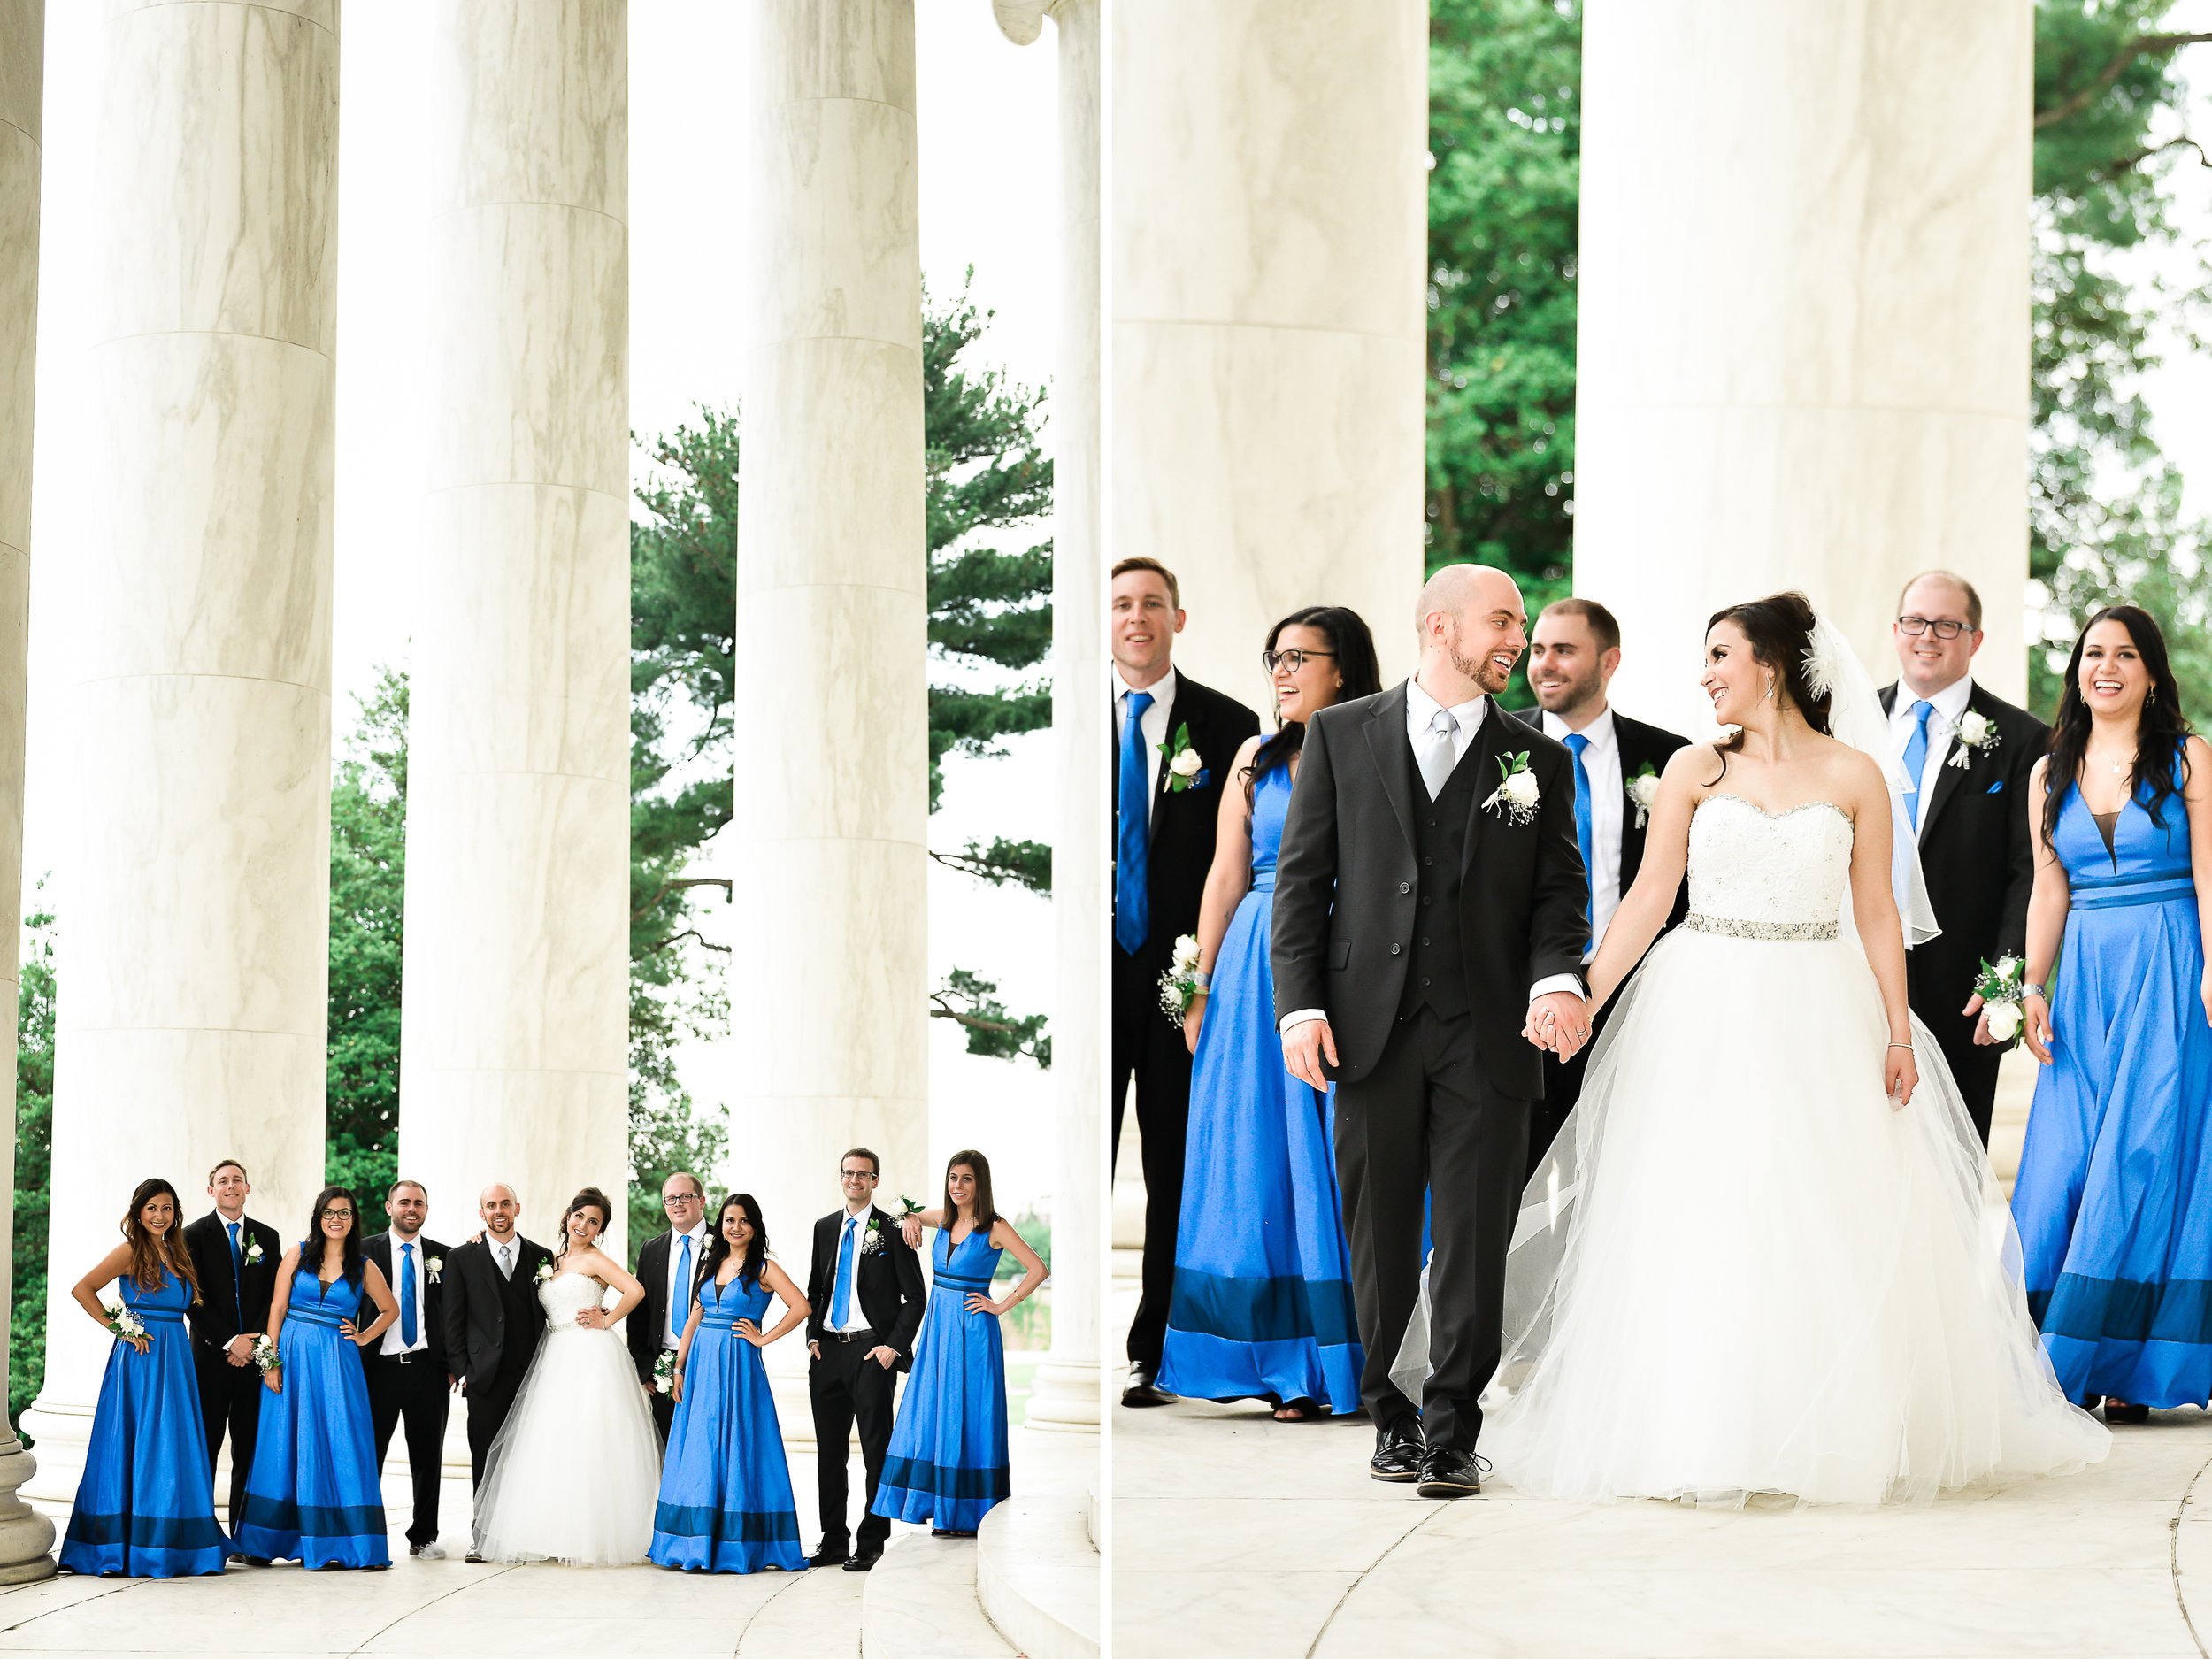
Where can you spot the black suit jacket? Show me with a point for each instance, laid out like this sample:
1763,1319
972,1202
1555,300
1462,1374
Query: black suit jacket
216,1317
1640,745
377,1247
1183,821
651,1316
890,1284
1346,876
1978,854
489,1319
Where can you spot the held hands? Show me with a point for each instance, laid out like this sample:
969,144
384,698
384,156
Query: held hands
238,1350
1900,1075
1559,1021
1305,1047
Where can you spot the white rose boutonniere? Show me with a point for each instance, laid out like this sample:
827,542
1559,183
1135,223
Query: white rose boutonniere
1516,797
1643,793
1977,733
435,1266
254,1253
545,1272
871,1237
1186,766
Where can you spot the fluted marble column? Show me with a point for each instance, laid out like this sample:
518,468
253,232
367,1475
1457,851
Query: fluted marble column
194,937
1066,1392
828,995
1268,228
25,1537
1803,337
514,1034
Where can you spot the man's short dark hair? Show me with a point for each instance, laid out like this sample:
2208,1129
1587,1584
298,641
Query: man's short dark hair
403,1181
1973,599
875,1164
1138,561
1605,627
227,1164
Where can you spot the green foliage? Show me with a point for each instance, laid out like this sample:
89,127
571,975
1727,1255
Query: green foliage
368,864
667,1133
33,1158
993,1032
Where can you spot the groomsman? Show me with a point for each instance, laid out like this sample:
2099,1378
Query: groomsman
409,1380
865,1289
1573,656
1971,811
235,1258
493,1317
668,1267
1165,809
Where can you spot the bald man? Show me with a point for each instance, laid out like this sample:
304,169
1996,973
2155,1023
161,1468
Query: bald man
493,1318
1420,923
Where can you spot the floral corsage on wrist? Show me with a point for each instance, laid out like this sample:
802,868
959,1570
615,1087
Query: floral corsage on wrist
907,1208
664,1372
265,1355
1183,984
1999,987
123,1323
1516,795
1976,735
1643,793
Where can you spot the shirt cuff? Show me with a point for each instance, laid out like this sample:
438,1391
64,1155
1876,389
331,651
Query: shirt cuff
1557,982
1300,1016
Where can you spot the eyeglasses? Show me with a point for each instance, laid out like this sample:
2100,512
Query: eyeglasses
337,1215
1290,661
1943,628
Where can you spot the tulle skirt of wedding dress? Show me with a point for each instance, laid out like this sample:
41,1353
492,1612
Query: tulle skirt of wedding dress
575,1471
1741,1272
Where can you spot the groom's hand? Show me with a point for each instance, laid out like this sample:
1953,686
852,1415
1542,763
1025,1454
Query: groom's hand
1560,1021
1305,1046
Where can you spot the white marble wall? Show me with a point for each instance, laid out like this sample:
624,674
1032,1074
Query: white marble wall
194,900
1803,345
829,999
514,1035
1269,230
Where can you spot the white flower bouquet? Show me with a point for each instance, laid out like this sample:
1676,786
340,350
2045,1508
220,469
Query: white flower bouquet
1516,795
1999,985
1179,986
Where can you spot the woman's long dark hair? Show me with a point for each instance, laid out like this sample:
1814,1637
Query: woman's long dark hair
718,1248
2159,729
312,1252
985,1214
1780,629
150,1253
1354,647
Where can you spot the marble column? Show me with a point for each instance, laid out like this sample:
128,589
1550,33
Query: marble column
25,1536
515,1024
829,993
1269,220
1804,336
1066,1392
194,894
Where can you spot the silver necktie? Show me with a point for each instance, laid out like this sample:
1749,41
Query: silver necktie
506,1261
1437,752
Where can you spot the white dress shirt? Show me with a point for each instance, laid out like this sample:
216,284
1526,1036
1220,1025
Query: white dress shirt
1153,725
1601,761
404,1260
855,1320
1943,724
679,1289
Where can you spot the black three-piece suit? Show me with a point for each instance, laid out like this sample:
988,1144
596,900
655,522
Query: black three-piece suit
413,1388
492,1327
235,1296
845,1387
1148,1046
1979,855
1420,925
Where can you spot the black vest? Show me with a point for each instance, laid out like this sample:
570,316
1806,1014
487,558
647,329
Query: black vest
1438,973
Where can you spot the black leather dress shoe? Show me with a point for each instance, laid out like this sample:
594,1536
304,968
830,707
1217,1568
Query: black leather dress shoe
1141,1391
1398,1448
829,1556
1449,1473
870,1554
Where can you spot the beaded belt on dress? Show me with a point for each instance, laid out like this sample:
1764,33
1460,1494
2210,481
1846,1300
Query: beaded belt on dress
2108,893
1730,927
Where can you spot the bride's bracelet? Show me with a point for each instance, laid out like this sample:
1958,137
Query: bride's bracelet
1901,1045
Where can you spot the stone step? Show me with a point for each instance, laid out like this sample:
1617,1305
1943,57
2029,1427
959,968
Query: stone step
1037,1575
921,1598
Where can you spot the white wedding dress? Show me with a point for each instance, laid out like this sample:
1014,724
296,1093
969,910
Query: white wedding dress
1741,1272
575,1471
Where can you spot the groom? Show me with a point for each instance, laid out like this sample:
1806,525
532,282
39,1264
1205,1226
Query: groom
493,1317
1424,917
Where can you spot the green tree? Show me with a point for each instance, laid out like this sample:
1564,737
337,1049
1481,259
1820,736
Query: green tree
33,1158
368,865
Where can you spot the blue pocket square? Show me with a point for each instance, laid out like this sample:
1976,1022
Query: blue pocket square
1997,785
1205,776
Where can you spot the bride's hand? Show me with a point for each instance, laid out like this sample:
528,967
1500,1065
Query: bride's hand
592,1318
1900,1075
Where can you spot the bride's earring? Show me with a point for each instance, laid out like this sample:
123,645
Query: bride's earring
1770,693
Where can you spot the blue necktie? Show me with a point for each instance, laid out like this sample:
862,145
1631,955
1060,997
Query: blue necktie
1586,836
679,1304
1133,833
237,1285
841,1297
407,1294
1916,757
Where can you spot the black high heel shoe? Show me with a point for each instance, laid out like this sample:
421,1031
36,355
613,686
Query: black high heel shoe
2114,1412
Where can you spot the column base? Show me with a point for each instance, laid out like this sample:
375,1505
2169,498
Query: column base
1065,1398
64,1433
26,1536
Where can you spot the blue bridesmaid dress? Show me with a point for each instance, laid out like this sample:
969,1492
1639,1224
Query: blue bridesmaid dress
725,1503
1262,1304
2114,1198
947,1461
314,1492
146,1507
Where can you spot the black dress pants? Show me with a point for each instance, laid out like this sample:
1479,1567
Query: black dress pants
1148,1048
1427,1113
230,1403
412,1389
846,1387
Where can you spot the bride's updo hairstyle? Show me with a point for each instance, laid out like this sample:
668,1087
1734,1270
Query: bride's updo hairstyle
590,1198
1780,629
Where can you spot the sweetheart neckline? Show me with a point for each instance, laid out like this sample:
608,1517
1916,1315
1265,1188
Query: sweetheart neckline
1802,806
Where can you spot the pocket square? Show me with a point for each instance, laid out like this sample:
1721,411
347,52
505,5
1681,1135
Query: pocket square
1995,787
1205,776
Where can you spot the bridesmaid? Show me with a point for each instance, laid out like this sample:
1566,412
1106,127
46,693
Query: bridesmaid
2114,1198
946,1461
726,1503
314,1491
145,1508
1262,1304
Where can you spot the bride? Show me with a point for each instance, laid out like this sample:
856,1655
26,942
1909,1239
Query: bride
1767,1253
575,1471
